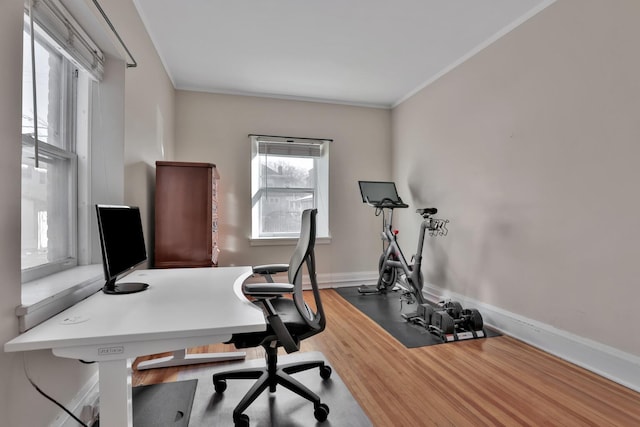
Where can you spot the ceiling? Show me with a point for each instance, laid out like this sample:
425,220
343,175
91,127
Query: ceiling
362,52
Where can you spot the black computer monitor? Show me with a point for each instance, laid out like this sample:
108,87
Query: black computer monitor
123,247
375,192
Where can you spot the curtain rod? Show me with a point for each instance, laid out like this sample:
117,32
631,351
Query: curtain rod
291,137
106,18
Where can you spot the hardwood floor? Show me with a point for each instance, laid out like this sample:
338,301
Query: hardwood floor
494,381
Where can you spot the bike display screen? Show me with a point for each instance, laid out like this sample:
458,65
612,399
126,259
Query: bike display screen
374,192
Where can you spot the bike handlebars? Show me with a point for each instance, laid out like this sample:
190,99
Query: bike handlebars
436,227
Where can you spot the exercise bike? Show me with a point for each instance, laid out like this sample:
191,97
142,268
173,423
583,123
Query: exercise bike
446,319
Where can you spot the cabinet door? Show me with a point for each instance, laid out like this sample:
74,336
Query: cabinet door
183,215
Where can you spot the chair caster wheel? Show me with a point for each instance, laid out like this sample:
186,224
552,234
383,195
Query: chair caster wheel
220,386
325,372
321,412
241,420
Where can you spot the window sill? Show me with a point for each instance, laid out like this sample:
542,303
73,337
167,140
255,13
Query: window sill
44,298
283,241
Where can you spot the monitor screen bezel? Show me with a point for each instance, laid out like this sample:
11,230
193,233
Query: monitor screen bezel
111,273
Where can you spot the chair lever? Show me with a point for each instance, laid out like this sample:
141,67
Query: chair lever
281,331
285,338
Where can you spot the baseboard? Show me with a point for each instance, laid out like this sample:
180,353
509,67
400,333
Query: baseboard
340,280
82,405
608,362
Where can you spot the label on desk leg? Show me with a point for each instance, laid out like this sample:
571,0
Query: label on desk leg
72,320
104,351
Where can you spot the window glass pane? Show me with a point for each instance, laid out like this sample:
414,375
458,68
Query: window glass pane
49,91
286,172
282,210
287,189
46,209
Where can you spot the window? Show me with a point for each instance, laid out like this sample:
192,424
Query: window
48,188
50,165
288,175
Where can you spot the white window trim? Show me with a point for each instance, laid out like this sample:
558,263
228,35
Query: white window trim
61,27
70,119
322,200
44,298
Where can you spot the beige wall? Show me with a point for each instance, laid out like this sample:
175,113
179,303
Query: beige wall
150,101
531,149
13,387
149,119
149,93
214,128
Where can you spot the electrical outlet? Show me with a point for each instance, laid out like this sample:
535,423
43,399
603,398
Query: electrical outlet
96,413
87,413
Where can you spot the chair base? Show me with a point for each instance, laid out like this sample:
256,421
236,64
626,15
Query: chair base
270,377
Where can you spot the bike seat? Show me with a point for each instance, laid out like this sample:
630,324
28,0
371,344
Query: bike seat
427,211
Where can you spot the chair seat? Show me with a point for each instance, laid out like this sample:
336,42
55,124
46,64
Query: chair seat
287,311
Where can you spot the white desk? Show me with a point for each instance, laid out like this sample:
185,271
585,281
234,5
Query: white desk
182,308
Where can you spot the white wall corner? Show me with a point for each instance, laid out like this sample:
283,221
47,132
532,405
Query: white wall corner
88,396
608,362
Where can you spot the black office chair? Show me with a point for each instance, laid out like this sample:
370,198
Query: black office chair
289,321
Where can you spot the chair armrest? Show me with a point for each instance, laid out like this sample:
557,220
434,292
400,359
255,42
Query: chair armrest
271,268
267,290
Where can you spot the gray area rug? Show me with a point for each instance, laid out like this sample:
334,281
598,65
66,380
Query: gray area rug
282,408
162,405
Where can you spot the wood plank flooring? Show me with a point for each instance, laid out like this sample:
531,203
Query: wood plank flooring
493,382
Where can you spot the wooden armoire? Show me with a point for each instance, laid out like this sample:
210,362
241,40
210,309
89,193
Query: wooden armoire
186,215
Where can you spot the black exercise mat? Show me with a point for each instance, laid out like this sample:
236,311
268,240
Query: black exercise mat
162,405
282,408
166,404
386,310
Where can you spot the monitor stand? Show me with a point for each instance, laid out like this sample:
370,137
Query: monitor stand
113,288
181,358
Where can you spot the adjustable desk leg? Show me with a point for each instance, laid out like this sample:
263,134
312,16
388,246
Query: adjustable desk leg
115,393
181,358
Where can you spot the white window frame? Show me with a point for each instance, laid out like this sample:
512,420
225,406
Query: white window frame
65,151
318,150
55,266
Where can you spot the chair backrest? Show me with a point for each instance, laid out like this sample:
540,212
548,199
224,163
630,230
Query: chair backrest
304,255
